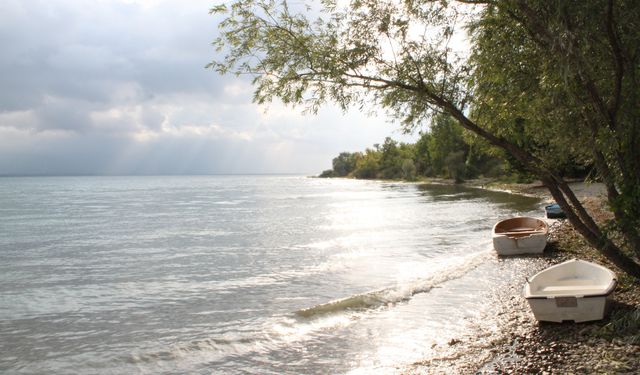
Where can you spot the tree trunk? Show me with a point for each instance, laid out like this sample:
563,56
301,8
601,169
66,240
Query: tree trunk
595,238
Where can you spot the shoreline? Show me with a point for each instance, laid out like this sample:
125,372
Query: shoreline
524,345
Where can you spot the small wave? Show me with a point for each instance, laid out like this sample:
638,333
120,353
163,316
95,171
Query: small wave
396,294
230,202
208,349
278,277
355,302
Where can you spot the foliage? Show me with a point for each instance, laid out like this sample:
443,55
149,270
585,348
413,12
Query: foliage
344,164
548,83
454,166
624,323
484,160
327,174
446,139
442,151
522,98
559,80
422,159
408,170
367,166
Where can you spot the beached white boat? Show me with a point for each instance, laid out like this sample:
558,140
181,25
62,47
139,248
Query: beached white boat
520,235
573,290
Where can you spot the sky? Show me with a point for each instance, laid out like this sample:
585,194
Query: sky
119,87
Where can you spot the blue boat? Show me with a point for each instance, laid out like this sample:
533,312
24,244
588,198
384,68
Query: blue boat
554,211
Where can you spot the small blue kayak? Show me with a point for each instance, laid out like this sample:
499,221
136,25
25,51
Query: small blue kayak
554,211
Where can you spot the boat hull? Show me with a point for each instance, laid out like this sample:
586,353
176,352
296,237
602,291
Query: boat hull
577,309
520,235
554,212
574,290
532,244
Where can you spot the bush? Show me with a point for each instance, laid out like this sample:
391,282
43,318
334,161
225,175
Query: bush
408,170
455,166
327,174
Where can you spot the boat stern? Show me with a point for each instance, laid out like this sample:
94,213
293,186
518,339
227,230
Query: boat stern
519,245
578,309
554,296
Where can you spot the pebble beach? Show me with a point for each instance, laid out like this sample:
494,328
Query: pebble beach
515,343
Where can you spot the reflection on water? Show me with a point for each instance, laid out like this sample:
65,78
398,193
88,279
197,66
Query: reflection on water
448,193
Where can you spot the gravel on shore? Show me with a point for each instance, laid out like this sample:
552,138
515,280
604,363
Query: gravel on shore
515,343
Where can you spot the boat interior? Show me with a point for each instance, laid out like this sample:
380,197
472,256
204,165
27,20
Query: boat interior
572,279
520,227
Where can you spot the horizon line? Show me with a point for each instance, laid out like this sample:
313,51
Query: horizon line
150,174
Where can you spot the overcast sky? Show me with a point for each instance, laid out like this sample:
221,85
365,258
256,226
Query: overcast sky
119,87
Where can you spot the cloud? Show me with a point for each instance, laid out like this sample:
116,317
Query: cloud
119,87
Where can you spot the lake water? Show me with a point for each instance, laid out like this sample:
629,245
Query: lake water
239,274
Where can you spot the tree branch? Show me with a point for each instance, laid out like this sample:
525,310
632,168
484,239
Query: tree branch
618,63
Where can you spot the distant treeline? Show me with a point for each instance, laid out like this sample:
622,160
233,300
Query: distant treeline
445,151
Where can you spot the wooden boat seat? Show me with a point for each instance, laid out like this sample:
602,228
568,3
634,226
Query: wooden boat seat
520,233
522,229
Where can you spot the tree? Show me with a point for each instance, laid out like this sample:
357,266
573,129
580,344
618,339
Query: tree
367,166
454,166
446,139
482,159
422,158
408,170
390,160
344,164
329,173
567,92
570,79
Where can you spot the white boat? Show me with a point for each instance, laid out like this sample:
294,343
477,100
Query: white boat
520,235
573,290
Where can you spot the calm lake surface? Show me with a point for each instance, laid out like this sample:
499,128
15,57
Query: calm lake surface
239,274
